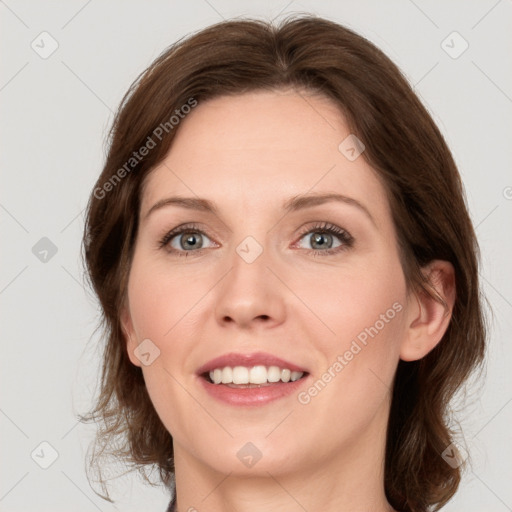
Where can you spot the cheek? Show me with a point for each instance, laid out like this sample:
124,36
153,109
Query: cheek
156,308
160,300
363,309
366,310
357,302
164,307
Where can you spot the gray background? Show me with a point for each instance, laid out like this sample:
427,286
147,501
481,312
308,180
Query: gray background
55,113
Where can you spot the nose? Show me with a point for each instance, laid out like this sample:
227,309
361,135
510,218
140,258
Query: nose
251,295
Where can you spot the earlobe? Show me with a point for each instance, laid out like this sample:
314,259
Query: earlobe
129,334
430,314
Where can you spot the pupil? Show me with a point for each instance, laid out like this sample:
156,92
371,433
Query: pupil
190,240
318,238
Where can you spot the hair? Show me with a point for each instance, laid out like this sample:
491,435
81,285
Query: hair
424,189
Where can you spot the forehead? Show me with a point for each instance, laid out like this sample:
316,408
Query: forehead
260,148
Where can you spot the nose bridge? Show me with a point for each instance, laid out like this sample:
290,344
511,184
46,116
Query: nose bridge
249,267
250,290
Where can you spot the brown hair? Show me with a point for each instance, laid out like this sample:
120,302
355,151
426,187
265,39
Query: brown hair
407,151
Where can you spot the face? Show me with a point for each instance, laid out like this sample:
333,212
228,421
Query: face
269,272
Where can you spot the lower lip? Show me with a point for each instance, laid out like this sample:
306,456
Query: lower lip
252,396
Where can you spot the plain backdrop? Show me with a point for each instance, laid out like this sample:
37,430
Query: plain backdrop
56,109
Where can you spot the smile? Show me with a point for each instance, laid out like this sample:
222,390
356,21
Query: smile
240,375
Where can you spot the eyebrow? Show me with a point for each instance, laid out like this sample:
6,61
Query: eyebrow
295,203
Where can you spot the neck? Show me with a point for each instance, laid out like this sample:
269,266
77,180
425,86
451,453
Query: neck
351,479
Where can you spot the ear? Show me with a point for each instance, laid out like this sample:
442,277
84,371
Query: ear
130,335
428,318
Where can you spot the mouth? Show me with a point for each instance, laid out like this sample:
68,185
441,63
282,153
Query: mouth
252,377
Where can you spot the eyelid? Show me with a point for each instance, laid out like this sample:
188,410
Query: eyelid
347,240
179,230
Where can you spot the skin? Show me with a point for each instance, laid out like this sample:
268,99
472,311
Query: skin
249,154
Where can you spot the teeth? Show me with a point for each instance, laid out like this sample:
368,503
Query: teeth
253,375
274,374
217,375
227,375
240,375
258,375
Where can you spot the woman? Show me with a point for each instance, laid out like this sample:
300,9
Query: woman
288,274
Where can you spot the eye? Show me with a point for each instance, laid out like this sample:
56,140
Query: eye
184,239
325,238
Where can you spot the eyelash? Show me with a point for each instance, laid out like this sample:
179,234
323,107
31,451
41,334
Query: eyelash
347,241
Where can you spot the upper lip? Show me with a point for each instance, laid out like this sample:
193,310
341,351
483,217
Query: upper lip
254,359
